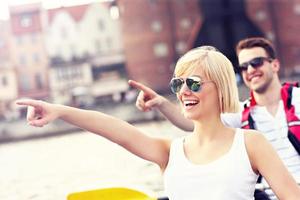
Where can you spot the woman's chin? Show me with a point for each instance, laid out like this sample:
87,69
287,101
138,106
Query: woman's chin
189,116
194,116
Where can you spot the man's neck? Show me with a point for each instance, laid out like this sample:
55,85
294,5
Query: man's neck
270,98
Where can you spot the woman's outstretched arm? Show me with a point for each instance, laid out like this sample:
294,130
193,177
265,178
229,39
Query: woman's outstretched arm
118,131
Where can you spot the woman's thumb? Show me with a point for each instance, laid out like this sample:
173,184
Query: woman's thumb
152,103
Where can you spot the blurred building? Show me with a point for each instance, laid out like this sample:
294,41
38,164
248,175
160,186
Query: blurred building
28,52
84,43
224,24
8,79
155,33
68,67
280,22
84,53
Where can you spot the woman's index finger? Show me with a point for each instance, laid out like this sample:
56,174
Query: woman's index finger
28,102
140,86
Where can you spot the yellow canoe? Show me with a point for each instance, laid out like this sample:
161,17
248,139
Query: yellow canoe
117,193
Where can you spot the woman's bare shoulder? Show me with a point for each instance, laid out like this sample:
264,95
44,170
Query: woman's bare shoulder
253,135
255,140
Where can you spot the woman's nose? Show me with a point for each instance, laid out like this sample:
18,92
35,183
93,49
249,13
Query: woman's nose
184,90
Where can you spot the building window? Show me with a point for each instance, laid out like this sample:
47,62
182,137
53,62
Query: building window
101,25
63,33
22,60
98,46
25,83
26,21
180,47
160,49
76,72
33,38
114,12
109,42
19,40
261,15
36,58
38,81
59,74
297,9
156,26
270,35
185,23
4,81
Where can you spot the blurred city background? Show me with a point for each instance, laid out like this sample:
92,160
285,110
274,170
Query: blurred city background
81,53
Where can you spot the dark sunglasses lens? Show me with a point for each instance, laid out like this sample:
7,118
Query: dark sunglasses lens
257,62
243,67
176,85
193,85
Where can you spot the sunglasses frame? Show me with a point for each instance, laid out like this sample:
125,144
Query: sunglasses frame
183,81
259,62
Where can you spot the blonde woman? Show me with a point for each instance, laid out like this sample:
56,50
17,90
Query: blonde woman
214,162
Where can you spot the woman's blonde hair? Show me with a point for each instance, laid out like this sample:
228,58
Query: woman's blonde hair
217,68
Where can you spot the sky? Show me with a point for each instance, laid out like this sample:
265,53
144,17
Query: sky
46,4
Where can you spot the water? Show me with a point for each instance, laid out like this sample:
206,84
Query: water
51,168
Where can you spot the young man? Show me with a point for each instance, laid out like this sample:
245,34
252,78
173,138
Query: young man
259,67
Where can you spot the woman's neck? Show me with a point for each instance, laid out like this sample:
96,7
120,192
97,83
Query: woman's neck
208,129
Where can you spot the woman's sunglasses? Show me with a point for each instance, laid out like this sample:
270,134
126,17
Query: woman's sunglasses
194,84
255,63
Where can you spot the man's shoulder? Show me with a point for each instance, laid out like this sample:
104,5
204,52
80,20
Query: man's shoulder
296,91
296,96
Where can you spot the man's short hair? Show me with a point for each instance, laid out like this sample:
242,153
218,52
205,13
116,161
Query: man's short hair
252,42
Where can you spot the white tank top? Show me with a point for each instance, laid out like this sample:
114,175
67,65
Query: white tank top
230,177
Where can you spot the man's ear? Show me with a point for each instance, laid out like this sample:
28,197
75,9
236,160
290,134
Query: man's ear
276,65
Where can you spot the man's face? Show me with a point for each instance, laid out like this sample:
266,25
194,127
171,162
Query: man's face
259,69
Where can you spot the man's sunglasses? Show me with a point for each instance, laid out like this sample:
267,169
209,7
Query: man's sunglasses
255,63
194,84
